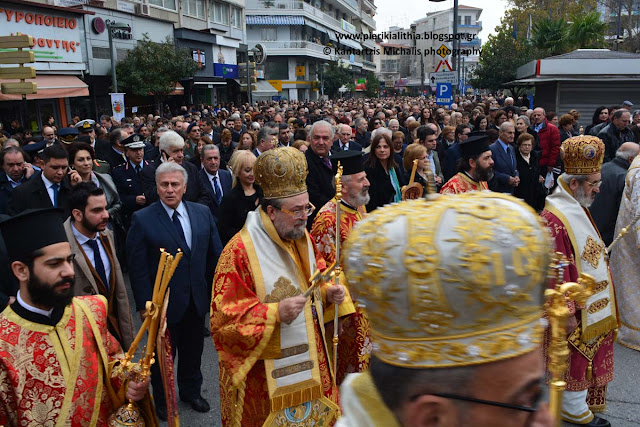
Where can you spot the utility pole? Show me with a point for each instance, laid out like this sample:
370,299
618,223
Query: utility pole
455,42
619,36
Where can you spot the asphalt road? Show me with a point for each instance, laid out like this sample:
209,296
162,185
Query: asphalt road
623,393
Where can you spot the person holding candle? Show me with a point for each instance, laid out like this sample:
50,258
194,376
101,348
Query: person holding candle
56,352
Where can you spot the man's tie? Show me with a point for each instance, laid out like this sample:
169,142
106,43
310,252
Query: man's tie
327,162
97,262
56,189
178,225
138,169
344,147
217,190
511,156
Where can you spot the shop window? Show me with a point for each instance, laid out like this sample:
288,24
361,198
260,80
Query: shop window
268,34
194,8
220,13
167,4
236,17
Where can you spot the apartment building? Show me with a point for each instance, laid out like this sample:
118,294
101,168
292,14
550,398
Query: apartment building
302,36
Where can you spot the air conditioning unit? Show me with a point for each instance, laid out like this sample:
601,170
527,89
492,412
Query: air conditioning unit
143,9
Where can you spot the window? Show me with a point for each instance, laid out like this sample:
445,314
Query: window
194,8
459,20
236,17
268,33
167,4
467,20
220,13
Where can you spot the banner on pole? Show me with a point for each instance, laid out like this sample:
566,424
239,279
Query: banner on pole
117,105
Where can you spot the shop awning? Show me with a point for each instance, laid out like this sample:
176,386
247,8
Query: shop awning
52,86
263,87
275,20
177,90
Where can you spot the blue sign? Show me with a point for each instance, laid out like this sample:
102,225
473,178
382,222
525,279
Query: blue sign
444,94
228,71
276,98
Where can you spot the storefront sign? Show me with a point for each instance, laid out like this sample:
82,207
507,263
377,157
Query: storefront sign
125,34
228,71
348,27
57,35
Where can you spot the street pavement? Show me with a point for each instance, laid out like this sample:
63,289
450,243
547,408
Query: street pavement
623,394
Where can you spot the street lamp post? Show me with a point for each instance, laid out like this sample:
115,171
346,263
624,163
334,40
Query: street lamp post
324,64
249,52
110,27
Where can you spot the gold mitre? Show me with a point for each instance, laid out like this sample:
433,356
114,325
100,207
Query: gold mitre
582,155
281,172
455,281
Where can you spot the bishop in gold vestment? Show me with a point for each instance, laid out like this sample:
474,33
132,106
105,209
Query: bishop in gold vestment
270,338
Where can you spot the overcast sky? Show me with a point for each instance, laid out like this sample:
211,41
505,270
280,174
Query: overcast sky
389,14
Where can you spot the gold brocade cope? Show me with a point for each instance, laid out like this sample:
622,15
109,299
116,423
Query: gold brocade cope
281,173
600,313
281,270
454,281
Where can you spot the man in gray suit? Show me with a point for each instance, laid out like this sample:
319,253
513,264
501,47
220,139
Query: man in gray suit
96,265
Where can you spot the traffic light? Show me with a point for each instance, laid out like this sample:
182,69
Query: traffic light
19,56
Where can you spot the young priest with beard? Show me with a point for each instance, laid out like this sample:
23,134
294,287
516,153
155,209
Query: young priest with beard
475,167
55,350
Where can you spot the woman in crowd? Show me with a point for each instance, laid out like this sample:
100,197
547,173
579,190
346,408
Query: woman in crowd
566,123
204,140
523,125
398,145
374,123
448,136
245,195
412,135
530,188
498,120
481,123
552,118
456,119
226,147
82,159
247,141
411,153
425,116
601,115
383,173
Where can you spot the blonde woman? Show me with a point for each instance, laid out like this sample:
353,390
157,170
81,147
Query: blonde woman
412,152
245,195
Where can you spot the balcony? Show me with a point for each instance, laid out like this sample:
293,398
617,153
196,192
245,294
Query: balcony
477,26
368,20
369,65
293,48
294,8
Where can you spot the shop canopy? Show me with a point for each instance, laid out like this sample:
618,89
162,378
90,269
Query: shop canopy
51,86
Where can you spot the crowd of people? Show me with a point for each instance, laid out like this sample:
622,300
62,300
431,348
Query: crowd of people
248,194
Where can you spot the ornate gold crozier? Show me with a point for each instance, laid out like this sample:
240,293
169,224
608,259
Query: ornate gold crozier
413,190
337,271
557,314
129,414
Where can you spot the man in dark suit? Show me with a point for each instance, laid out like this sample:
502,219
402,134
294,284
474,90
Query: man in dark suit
363,137
217,181
344,141
49,188
320,177
171,147
606,204
115,156
173,224
267,140
128,178
504,158
16,171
